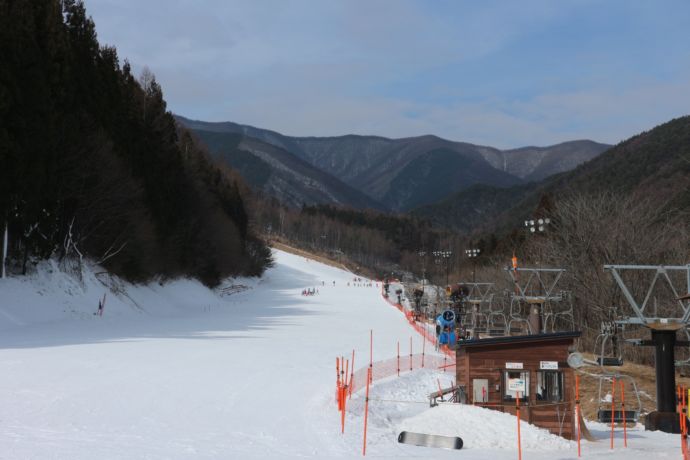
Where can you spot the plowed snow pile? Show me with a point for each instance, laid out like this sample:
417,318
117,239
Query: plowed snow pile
482,428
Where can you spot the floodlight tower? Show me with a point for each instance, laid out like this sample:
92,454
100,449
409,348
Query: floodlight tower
422,255
472,254
663,332
535,227
443,257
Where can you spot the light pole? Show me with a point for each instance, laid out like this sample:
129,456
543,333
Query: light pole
537,226
443,256
422,255
472,254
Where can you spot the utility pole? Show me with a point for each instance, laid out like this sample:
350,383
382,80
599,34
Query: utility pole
472,254
422,255
535,227
4,250
445,257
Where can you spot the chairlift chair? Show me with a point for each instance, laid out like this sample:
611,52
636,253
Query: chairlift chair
558,311
604,413
611,355
519,312
497,317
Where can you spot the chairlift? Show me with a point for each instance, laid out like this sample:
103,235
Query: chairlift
577,361
611,355
604,413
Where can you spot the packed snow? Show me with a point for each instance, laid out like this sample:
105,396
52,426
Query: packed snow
173,370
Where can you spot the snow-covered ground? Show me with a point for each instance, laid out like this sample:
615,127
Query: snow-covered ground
178,371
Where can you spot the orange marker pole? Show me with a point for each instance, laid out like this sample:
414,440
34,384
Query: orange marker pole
366,414
577,412
684,427
352,373
680,419
625,424
342,419
517,411
371,355
613,402
337,383
410,353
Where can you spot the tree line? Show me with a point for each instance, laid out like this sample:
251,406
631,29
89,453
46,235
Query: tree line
93,164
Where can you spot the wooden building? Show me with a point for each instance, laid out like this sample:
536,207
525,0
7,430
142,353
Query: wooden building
495,371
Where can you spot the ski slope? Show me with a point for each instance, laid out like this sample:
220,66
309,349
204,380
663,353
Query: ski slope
176,371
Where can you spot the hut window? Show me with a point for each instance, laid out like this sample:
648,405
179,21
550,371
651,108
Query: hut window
550,386
511,395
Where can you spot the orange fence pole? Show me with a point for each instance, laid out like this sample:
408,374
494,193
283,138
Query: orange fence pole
410,353
684,428
342,418
685,422
352,374
625,424
613,402
371,354
338,383
680,418
517,411
366,414
337,371
577,412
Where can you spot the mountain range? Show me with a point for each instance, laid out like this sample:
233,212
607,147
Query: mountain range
652,165
378,172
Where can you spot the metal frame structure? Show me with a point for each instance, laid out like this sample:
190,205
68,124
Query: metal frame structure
541,312
663,337
480,298
661,272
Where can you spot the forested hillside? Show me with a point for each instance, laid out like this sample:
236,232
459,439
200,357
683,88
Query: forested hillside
654,165
401,174
92,163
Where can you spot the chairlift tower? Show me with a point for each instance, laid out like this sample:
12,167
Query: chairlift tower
663,336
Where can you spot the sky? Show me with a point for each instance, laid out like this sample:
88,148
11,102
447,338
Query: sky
499,73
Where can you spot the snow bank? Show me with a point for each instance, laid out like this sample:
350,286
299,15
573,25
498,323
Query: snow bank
482,428
51,294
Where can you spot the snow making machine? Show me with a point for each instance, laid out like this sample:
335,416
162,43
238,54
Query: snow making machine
445,329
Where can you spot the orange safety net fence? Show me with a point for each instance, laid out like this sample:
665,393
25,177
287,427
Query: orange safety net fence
387,368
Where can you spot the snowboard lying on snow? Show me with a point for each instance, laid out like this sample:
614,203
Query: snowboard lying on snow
430,440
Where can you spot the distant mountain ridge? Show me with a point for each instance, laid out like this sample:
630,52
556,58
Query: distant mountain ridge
402,174
277,172
653,165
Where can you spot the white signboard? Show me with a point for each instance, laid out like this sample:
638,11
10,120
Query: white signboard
513,365
548,365
516,385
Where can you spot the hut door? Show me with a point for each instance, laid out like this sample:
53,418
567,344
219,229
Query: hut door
480,390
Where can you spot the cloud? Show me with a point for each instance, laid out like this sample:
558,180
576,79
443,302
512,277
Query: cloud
496,73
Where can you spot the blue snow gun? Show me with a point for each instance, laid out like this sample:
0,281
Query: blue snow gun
445,328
